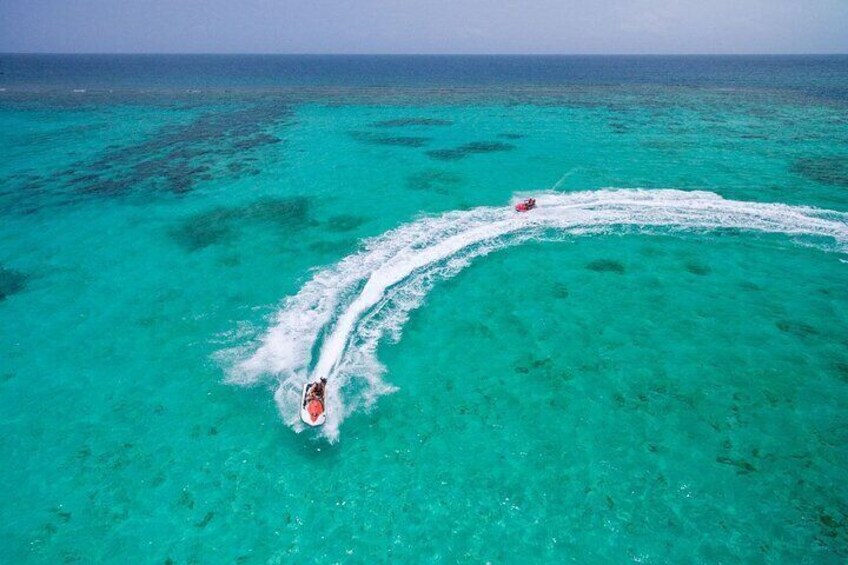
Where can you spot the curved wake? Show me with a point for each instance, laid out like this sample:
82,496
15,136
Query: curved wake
333,325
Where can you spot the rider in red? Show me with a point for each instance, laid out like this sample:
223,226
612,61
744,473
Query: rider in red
315,399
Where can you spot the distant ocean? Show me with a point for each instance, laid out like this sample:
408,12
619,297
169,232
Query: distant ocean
652,366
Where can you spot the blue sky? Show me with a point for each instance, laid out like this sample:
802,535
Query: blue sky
418,26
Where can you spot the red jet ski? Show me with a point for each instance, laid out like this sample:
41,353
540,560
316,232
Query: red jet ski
526,205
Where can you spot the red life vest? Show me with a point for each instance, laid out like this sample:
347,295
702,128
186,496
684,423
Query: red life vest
315,408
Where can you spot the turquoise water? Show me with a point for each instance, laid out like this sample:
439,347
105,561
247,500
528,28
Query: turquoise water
655,376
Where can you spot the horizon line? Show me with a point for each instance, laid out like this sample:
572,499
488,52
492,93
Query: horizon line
339,54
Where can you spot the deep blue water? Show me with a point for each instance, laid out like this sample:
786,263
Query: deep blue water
821,75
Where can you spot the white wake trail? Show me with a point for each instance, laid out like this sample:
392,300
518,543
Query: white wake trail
347,309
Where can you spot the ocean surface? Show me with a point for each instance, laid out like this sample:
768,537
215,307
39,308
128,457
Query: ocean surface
652,366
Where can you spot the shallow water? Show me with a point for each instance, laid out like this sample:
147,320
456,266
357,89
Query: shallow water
643,391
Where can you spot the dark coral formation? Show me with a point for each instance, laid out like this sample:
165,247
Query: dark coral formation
750,286
698,268
433,179
796,328
186,499
179,156
205,521
330,247
468,149
535,365
216,226
396,141
203,230
345,222
11,282
742,467
560,291
172,160
618,127
407,122
606,266
841,368
831,170
287,213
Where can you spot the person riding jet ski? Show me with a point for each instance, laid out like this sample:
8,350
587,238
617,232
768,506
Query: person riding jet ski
313,403
526,205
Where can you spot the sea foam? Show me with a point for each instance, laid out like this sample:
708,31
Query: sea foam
332,327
